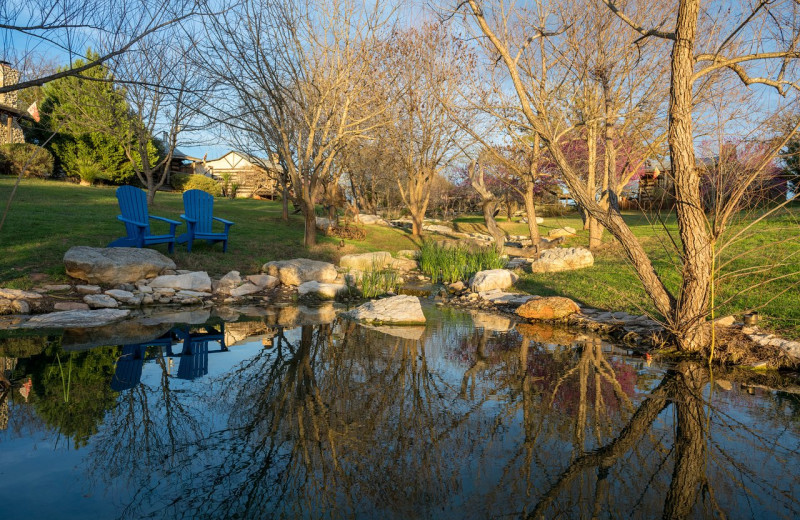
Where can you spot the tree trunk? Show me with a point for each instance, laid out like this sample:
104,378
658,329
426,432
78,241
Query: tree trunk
692,304
285,203
591,223
489,207
530,211
417,216
310,234
151,189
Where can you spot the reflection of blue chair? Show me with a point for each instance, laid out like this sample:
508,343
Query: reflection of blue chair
129,368
198,212
133,206
194,355
128,373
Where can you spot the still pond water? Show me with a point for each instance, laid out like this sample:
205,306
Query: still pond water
468,417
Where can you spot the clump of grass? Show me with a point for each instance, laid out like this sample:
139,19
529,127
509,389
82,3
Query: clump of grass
451,263
378,280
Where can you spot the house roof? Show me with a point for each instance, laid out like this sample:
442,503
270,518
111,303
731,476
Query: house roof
258,161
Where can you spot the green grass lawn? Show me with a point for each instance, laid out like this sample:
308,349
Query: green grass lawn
773,244
47,218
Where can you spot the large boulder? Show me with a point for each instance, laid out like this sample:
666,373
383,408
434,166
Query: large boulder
196,281
550,308
75,319
114,265
492,279
562,259
397,310
371,220
366,261
299,270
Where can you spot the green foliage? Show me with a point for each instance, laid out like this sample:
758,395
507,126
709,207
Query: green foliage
72,391
93,127
178,181
34,160
201,182
452,263
378,281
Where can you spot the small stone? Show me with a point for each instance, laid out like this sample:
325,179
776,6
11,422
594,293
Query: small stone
147,299
190,281
192,294
71,306
21,306
457,286
244,290
100,301
88,289
120,295
59,287
727,321
324,291
144,289
16,294
264,281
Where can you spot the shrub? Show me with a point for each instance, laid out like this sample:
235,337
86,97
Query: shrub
201,182
35,160
88,171
451,263
178,181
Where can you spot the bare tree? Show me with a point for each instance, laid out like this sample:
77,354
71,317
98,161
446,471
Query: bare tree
71,26
685,312
166,93
304,69
424,66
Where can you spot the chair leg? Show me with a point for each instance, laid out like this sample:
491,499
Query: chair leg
171,247
189,244
225,245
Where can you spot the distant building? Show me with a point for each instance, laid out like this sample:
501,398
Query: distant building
656,186
252,176
10,113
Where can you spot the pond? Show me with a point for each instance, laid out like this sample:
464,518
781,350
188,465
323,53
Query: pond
471,416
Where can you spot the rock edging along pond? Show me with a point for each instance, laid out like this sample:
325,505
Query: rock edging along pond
316,281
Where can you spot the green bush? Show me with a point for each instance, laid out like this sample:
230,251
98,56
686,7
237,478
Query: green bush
35,160
178,181
201,182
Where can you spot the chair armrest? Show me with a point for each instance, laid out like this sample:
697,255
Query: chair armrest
166,220
129,221
187,219
227,222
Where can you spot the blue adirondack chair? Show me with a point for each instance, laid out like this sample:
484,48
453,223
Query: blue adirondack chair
198,207
133,206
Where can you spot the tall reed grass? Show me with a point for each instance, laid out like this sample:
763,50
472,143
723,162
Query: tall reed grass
378,281
451,263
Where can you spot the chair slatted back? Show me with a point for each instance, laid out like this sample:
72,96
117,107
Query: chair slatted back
133,206
199,205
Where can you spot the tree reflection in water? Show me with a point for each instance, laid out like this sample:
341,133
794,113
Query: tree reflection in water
340,420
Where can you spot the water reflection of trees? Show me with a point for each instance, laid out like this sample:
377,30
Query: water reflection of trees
339,420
